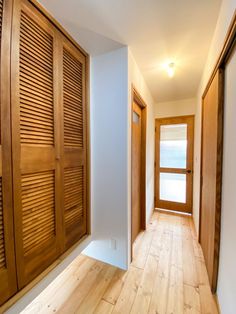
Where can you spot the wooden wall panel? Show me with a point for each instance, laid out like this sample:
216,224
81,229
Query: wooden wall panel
8,285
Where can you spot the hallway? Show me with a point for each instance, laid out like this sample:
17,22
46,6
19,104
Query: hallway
167,275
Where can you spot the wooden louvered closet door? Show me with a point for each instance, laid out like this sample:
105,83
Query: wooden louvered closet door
35,142
75,142
8,284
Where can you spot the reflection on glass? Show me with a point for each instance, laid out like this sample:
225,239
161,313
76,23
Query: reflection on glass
173,146
173,187
135,117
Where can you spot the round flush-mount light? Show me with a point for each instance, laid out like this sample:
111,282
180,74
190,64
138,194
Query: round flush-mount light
170,69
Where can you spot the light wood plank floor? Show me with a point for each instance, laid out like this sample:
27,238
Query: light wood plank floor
167,276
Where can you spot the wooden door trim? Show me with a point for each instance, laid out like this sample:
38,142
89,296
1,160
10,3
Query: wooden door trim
136,97
227,48
174,205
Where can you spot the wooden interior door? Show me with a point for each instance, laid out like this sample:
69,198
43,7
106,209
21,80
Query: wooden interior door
8,283
74,154
136,169
212,121
174,163
35,142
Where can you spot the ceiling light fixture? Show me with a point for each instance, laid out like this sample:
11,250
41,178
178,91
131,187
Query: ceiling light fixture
170,69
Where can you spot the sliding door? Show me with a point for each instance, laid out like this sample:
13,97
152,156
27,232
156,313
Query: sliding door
35,142
7,256
212,129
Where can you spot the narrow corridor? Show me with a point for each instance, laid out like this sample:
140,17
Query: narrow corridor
167,275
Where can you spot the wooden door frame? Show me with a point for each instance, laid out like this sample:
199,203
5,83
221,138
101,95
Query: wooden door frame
176,206
135,97
227,49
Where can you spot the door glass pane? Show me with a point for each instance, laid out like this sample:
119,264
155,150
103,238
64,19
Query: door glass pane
173,187
173,146
135,117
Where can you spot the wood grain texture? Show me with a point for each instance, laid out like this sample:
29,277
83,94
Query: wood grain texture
38,207
72,95
49,125
136,170
41,66
74,146
36,83
140,175
74,202
8,284
158,287
34,140
211,175
225,54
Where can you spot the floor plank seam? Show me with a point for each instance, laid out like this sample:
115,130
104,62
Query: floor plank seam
137,267
102,299
169,249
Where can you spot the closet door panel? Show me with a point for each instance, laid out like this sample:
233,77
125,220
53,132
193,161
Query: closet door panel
8,285
75,143
35,142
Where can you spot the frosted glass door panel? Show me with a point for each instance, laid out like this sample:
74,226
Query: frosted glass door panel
173,187
173,146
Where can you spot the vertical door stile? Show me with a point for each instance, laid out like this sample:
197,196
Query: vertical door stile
58,134
15,125
8,283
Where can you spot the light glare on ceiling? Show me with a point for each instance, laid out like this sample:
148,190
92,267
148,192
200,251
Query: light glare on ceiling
170,69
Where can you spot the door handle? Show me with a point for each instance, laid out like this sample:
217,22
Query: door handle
188,171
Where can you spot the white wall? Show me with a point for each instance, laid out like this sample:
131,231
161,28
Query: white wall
112,76
136,78
225,17
109,157
227,271
176,108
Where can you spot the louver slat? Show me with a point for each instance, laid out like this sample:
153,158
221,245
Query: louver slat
38,219
74,120
35,143
36,104
73,195
72,96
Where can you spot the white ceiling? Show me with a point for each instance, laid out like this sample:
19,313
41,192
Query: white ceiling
157,31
